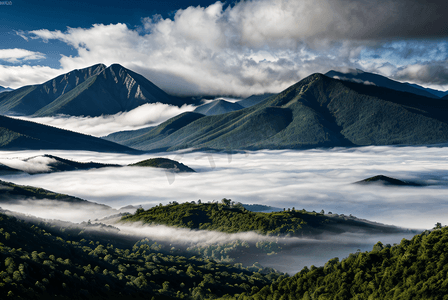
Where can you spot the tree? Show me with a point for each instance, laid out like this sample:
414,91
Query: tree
438,225
226,202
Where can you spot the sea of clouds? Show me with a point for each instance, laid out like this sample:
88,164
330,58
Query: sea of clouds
311,179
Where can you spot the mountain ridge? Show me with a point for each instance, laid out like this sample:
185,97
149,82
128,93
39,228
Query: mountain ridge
218,107
93,91
367,78
318,111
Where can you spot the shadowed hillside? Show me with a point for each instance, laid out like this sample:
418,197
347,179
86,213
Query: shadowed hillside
24,135
382,81
316,112
413,269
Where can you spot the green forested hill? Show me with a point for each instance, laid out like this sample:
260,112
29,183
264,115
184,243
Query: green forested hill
230,218
47,261
415,269
316,112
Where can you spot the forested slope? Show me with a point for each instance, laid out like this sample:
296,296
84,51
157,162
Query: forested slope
415,269
232,218
45,261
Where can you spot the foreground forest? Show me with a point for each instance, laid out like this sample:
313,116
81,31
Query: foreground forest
44,261
41,260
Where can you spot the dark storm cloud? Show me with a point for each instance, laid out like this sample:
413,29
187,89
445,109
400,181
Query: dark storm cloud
434,73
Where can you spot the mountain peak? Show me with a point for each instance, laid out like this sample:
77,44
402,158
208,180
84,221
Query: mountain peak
92,91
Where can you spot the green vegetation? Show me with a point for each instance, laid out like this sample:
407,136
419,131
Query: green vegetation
316,112
415,269
231,218
165,163
41,260
45,261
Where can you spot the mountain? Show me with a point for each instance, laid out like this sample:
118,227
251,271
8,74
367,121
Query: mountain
139,138
3,89
218,107
164,163
25,135
28,100
445,97
122,136
359,76
318,111
385,180
93,91
254,99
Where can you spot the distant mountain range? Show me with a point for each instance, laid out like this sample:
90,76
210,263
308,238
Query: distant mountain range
218,107
222,106
359,76
25,135
3,89
319,111
93,91
316,112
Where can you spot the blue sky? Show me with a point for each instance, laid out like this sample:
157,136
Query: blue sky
235,47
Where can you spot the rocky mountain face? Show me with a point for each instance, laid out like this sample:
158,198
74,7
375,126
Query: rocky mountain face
93,91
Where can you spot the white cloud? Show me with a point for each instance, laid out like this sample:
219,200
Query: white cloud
18,76
58,210
37,164
19,55
312,179
252,46
140,117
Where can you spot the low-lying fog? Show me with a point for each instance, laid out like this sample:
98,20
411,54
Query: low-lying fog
311,179
295,253
143,116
